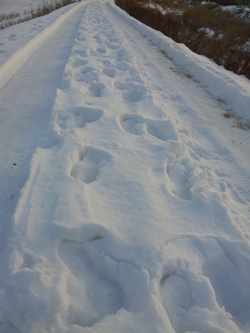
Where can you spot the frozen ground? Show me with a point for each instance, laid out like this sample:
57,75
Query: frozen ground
124,191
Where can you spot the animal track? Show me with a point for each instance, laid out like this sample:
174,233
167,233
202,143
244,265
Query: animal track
161,129
93,293
88,163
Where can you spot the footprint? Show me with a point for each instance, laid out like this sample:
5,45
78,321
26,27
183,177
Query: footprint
87,115
12,37
82,53
123,66
161,129
187,295
93,293
184,175
112,46
98,51
86,74
2,51
96,89
107,63
110,72
113,40
132,92
76,62
81,37
88,163
229,275
132,124
122,55
101,50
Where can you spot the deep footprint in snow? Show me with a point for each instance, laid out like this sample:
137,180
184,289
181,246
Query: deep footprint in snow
88,163
82,53
110,72
186,178
112,45
229,275
76,62
132,92
81,116
179,178
96,89
87,115
188,296
160,129
86,74
93,294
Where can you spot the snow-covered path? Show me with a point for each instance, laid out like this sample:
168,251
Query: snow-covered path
135,212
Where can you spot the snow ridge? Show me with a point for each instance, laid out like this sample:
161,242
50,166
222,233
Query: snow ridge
10,67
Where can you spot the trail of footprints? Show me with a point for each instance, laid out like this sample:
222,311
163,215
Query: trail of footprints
96,283
100,285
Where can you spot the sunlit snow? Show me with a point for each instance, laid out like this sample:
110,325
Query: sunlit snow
125,194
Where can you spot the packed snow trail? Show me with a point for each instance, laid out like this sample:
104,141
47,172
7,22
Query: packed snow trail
135,214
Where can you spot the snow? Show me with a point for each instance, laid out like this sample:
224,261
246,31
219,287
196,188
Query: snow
237,12
209,32
219,82
18,6
14,39
124,191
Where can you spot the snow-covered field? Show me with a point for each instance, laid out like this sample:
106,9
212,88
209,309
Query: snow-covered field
18,6
125,196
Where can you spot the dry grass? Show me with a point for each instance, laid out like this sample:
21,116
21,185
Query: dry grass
44,7
225,46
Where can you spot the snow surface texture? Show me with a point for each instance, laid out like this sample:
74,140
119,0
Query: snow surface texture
135,214
18,6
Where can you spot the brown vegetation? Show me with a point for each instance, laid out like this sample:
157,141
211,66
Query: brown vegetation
224,48
44,8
